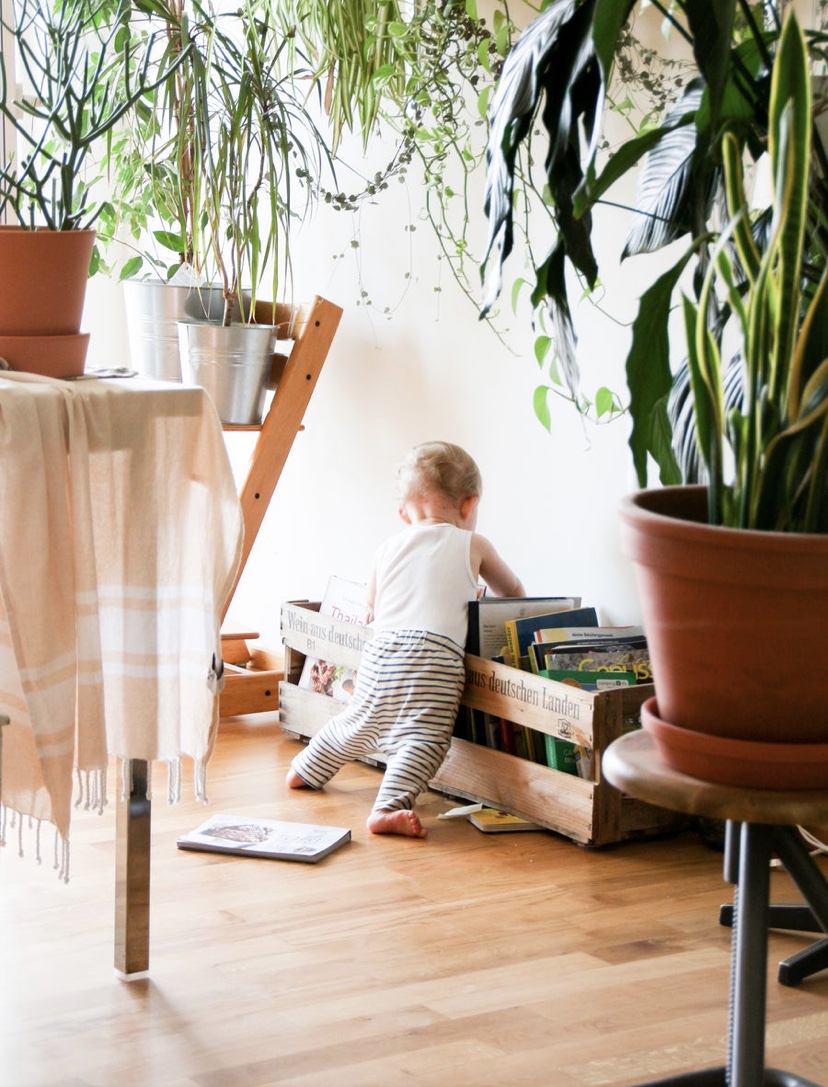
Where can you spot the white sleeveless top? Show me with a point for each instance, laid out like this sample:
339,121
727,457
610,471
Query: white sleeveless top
425,581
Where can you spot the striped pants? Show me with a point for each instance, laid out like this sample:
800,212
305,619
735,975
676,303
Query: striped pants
404,705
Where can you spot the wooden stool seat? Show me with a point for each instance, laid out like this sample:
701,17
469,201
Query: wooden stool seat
633,765
760,823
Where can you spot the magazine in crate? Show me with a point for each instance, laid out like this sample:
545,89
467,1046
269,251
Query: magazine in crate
343,600
273,838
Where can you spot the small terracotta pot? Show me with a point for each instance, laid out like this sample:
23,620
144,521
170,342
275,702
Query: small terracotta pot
736,622
52,356
44,274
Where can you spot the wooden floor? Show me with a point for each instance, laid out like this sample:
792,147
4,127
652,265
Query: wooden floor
466,960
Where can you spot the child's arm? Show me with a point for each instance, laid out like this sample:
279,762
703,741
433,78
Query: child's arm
486,563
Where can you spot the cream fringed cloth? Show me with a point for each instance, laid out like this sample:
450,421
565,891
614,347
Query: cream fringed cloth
120,539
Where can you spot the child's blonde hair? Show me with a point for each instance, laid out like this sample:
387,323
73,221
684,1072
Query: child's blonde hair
438,467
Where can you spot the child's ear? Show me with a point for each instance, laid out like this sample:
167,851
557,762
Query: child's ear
403,512
467,505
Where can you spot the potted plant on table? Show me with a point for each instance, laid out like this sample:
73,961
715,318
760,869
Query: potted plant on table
83,69
738,697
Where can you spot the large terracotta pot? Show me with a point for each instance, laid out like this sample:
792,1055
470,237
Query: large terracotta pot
737,624
43,275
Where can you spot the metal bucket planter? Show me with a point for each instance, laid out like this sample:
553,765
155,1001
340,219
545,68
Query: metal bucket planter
153,310
234,363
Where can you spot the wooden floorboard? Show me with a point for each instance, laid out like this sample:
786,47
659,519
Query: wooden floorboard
465,960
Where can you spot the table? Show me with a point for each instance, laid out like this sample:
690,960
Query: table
120,538
761,822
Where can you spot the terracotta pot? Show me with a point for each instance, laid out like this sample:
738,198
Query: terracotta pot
737,624
52,356
44,274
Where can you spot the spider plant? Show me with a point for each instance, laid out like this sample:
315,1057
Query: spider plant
777,437
213,170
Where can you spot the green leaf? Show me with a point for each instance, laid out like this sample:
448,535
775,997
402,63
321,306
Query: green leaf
789,145
608,21
517,289
703,359
483,100
648,365
672,182
620,163
542,345
712,28
606,402
131,267
541,405
551,60
661,445
170,240
812,345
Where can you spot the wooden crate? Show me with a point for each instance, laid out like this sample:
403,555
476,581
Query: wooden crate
593,813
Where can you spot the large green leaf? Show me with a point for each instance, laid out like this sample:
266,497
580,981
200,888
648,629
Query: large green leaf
789,145
649,377
812,344
665,197
528,72
712,29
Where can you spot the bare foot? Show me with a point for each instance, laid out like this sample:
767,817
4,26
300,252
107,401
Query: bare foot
403,821
293,781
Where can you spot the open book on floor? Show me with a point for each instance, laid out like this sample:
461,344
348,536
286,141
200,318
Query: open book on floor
273,838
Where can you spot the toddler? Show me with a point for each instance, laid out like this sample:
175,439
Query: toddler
411,677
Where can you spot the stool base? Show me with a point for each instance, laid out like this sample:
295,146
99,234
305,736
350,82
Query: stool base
717,1077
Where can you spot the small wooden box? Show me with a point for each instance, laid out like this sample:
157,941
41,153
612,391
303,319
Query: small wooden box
593,813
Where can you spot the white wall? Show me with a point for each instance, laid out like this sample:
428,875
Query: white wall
432,370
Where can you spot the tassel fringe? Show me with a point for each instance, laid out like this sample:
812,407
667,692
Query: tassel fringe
91,795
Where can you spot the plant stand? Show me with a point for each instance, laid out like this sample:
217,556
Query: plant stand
252,676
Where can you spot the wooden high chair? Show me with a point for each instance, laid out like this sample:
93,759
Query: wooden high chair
252,676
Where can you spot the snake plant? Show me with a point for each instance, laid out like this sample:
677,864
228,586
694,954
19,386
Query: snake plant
776,440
